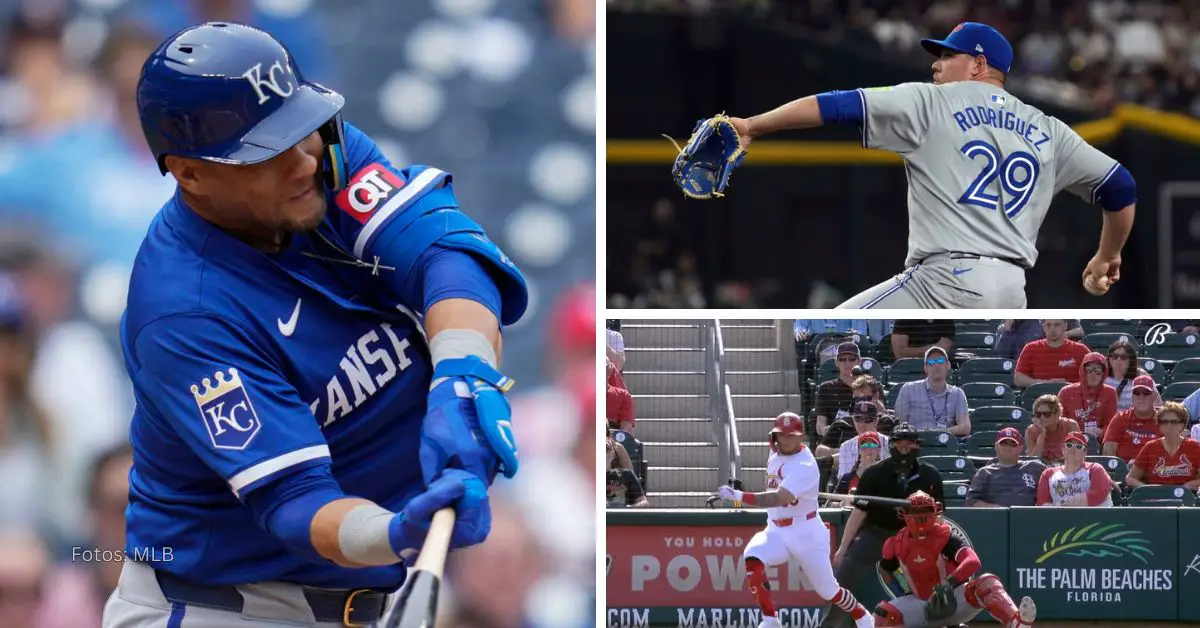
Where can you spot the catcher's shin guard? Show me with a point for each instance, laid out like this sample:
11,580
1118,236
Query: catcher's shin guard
988,592
756,577
888,616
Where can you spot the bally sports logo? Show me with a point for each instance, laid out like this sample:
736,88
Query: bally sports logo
370,188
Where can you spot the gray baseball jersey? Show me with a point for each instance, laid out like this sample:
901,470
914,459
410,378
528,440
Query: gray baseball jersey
982,166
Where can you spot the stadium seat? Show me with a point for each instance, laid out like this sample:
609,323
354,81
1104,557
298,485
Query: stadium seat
905,370
974,325
939,443
637,454
1186,370
949,463
1159,495
1100,341
1117,468
986,370
891,396
982,443
1174,347
1156,369
1178,391
1030,394
883,350
984,417
828,370
955,492
977,342
1120,326
989,393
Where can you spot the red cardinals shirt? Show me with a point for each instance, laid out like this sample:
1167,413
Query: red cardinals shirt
619,404
1094,409
1131,433
1164,468
1041,361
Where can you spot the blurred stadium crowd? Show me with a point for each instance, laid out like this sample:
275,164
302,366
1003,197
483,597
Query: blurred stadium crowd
502,94
1010,412
1085,54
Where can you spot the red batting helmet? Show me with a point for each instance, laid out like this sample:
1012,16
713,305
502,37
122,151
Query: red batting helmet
786,423
922,513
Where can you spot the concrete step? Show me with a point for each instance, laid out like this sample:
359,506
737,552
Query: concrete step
764,405
658,321
669,406
678,359
755,453
752,359
684,479
749,336
664,382
743,322
678,500
754,479
749,430
675,430
758,382
662,336
681,454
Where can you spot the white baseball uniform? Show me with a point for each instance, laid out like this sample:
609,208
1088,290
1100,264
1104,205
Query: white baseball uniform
982,168
795,530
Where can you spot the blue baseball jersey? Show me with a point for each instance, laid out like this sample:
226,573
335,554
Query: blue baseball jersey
248,366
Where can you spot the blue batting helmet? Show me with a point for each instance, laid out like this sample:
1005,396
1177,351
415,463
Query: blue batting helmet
232,94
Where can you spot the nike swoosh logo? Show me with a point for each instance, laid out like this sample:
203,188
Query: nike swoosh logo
956,271
288,328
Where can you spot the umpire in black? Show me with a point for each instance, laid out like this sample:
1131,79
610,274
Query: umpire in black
869,526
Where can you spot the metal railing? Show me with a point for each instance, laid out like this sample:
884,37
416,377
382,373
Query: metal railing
720,402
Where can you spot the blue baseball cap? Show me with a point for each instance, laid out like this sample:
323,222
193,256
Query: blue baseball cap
12,304
974,38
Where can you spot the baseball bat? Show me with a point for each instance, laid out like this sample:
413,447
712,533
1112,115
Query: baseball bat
865,499
417,607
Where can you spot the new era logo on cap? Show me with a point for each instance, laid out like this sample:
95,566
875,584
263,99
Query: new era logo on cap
979,48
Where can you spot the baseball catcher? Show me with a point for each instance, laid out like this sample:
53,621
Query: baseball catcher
313,335
926,548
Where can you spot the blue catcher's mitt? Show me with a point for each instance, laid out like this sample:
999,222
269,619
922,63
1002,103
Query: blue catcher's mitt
703,166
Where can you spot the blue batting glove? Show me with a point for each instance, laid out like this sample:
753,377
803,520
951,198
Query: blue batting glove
468,424
459,489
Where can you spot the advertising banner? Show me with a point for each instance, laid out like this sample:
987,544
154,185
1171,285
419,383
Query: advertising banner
1189,564
1097,563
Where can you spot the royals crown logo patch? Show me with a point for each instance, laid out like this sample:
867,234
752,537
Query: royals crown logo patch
228,414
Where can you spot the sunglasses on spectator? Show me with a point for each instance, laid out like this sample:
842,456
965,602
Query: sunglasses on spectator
1141,393
932,361
1043,413
868,446
1171,422
1094,369
1072,445
847,358
1120,356
864,419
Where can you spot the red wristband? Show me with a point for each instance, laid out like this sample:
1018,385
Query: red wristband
748,498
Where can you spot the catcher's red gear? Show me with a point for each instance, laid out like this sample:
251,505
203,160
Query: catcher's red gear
921,557
888,616
923,513
988,592
786,423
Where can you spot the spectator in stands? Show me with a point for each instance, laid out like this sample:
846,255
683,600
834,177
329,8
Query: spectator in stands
1044,437
82,587
623,487
1173,459
835,396
27,434
24,564
1130,429
615,343
1009,481
618,404
866,419
1090,402
1122,369
1077,482
869,448
1012,335
805,329
867,388
1052,359
44,93
934,403
913,338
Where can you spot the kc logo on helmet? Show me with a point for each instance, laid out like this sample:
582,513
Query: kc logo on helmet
254,75
368,191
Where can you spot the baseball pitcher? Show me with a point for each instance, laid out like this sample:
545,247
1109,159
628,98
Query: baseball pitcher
313,335
940,568
982,169
794,527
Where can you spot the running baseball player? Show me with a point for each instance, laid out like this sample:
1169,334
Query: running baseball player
940,568
313,335
982,168
794,528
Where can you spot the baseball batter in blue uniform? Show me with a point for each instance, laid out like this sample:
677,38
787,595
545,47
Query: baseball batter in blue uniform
313,335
